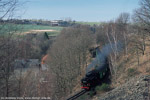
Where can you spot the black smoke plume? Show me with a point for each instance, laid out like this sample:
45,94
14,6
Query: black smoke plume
103,54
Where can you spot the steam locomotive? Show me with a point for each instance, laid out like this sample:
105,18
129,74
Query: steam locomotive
96,76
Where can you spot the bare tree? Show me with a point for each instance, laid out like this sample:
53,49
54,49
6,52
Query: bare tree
101,34
113,39
68,58
7,8
142,19
142,15
7,61
8,50
122,27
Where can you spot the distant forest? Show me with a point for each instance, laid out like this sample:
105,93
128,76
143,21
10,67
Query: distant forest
63,23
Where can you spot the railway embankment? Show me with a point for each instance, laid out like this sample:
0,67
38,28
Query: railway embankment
137,88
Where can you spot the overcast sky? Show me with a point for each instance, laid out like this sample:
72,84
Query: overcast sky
79,10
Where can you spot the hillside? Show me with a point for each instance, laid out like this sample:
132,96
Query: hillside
132,65
135,89
132,77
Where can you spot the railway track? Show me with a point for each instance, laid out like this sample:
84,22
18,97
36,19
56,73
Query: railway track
77,95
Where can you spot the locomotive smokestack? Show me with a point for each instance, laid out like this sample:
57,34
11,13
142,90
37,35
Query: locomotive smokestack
103,54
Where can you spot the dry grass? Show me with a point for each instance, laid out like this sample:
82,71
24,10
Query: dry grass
130,62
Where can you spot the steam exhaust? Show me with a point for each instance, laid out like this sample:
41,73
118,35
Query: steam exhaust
103,54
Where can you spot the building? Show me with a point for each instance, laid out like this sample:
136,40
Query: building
25,65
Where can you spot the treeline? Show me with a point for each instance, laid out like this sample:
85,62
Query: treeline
63,23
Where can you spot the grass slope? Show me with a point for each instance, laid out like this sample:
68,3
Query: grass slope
21,28
26,27
89,23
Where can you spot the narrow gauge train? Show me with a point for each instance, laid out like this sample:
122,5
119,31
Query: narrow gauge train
96,76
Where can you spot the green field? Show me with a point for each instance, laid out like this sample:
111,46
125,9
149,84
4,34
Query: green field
21,28
88,23
27,27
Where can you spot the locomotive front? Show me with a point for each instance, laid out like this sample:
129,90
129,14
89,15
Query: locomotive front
90,80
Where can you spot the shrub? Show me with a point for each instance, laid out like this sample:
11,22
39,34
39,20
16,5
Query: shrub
103,87
83,97
131,71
